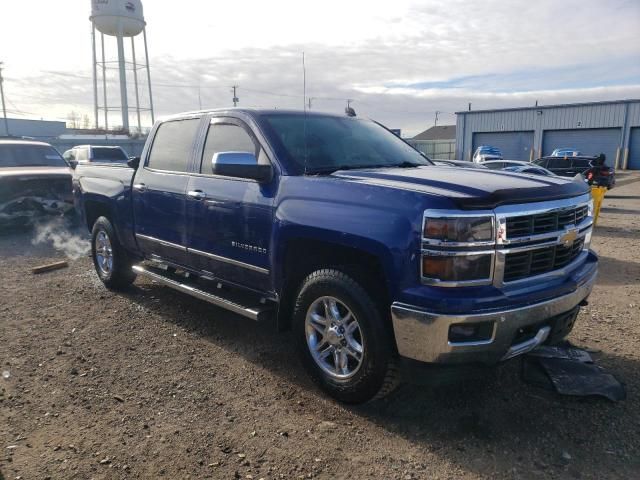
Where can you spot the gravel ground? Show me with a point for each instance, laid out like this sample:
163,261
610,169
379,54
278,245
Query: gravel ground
151,383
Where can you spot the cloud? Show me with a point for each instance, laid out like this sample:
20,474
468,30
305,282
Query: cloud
399,63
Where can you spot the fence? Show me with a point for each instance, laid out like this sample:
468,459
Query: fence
435,149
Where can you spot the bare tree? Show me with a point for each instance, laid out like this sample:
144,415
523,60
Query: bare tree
73,119
86,121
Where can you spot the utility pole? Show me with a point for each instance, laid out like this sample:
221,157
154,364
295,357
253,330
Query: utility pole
4,108
309,100
436,121
235,98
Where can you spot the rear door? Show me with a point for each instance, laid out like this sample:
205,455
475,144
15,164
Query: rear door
229,219
159,189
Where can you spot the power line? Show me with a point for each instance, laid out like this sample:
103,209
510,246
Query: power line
4,108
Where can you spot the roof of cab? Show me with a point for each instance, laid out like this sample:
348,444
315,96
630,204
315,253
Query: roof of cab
251,112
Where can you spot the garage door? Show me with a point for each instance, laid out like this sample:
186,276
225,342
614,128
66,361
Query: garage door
633,162
589,141
513,145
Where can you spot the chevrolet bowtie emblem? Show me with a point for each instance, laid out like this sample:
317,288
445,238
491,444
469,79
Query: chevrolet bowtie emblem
568,237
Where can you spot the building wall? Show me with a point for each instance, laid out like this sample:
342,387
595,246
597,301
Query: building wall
624,115
37,129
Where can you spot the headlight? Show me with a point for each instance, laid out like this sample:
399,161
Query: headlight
458,229
437,267
590,208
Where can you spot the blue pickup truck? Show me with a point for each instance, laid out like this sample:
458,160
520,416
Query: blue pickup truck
377,259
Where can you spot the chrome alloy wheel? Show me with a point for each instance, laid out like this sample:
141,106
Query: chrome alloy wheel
104,253
334,338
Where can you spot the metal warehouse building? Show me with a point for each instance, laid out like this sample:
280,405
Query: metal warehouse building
612,128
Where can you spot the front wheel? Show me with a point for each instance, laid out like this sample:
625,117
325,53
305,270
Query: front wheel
110,260
342,338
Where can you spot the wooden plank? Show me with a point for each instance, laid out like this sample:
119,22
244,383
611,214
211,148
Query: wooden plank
49,267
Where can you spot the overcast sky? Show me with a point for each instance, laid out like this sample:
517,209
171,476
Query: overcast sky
399,60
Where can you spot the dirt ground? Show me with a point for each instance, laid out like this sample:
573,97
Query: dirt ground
155,384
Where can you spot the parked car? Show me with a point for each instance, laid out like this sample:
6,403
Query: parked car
533,169
379,261
593,169
95,153
458,163
485,152
34,181
565,152
502,164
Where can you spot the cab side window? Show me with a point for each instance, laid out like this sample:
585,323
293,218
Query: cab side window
541,162
559,162
173,144
227,137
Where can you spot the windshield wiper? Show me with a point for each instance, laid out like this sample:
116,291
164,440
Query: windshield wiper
405,165
335,168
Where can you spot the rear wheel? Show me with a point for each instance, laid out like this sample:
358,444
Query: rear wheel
342,339
110,260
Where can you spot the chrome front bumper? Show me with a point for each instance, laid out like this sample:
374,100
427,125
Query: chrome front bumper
424,336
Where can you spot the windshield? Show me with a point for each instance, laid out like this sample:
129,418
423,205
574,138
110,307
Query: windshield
339,143
489,151
109,154
27,155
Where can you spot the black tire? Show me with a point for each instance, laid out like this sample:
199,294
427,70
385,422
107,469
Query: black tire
120,275
377,374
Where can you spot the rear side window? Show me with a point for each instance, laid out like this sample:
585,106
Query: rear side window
494,166
81,154
225,137
581,163
108,154
541,161
559,162
172,145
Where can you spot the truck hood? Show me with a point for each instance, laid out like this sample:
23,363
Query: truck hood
470,188
34,172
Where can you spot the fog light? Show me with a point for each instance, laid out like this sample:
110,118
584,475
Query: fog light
470,332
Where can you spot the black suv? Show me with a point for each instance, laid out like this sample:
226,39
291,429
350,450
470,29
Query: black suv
592,169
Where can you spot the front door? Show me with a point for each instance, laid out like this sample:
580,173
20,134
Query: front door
229,219
159,189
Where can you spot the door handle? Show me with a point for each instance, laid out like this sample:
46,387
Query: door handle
197,194
140,187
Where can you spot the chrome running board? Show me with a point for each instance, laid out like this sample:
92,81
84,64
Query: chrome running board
258,312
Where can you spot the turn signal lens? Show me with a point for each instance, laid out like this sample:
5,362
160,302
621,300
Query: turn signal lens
459,268
459,229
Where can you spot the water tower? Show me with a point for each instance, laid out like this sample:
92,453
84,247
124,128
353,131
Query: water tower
121,19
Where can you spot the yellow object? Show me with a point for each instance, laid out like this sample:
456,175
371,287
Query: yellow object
597,193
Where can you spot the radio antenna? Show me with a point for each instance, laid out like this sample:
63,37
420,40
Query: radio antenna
304,108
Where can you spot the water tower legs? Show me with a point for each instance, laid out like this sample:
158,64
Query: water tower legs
123,83
146,54
95,76
135,81
104,86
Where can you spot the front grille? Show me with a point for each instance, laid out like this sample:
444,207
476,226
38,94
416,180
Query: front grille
542,260
526,225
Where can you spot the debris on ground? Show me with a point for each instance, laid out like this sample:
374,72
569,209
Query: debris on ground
568,370
50,267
